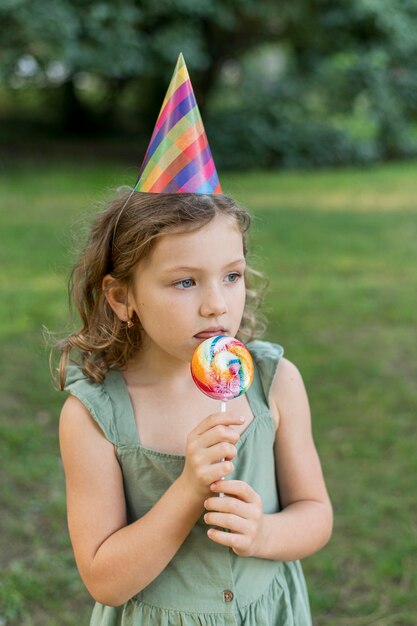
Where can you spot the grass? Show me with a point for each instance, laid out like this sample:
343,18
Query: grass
340,250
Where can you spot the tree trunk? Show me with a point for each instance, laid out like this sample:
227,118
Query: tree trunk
76,117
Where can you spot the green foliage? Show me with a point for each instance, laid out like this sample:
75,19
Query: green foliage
344,90
315,83
123,38
110,45
82,36
273,131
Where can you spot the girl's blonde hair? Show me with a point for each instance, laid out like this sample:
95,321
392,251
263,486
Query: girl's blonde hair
122,235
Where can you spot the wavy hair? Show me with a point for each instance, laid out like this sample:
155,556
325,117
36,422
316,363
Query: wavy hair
121,236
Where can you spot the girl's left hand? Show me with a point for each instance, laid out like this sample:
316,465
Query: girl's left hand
242,514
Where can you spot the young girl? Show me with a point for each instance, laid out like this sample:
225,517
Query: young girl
145,452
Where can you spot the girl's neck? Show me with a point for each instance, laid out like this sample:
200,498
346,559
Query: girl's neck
151,366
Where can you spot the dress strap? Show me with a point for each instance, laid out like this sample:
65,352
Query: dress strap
122,407
96,400
266,356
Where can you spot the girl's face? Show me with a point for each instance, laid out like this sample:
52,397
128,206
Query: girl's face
190,283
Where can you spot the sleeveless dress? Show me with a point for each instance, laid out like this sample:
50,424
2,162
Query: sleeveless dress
205,584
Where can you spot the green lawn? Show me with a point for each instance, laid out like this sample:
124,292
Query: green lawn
340,250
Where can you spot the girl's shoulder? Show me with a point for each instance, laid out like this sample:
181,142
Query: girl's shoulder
288,395
95,397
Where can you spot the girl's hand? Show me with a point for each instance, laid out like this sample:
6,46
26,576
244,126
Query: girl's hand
208,444
241,513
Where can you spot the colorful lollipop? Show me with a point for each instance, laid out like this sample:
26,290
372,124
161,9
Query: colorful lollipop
222,368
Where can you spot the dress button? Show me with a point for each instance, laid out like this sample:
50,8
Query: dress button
228,595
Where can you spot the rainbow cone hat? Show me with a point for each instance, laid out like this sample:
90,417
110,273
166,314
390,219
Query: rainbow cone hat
178,158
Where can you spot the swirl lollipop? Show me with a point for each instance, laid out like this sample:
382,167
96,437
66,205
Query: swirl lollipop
222,368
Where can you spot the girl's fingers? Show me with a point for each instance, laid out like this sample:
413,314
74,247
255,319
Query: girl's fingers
241,515
216,470
228,505
223,450
234,523
218,419
231,540
237,488
219,433
211,448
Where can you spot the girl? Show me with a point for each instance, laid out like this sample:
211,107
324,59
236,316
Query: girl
144,451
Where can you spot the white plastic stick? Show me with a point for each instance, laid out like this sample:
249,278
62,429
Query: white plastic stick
222,410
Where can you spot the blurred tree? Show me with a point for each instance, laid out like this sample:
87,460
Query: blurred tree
339,87
119,41
337,82
366,51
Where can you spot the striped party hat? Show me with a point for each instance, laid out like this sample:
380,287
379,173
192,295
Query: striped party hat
178,158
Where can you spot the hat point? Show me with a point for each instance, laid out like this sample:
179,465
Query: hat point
178,158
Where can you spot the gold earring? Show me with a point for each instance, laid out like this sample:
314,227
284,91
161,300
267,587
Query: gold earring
129,323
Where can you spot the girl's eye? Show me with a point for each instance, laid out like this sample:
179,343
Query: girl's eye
233,277
184,284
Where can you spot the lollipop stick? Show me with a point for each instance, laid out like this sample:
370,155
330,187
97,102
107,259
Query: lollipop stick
222,410
215,363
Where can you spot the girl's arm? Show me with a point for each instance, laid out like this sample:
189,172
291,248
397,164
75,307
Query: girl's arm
304,524
116,560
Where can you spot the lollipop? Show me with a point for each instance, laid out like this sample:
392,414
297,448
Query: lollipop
222,368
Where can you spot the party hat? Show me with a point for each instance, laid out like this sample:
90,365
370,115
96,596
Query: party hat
178,158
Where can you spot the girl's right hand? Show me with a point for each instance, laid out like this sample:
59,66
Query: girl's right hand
209,451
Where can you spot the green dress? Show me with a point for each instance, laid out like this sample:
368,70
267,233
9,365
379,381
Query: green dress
205,584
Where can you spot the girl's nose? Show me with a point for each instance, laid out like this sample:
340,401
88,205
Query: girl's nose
213,303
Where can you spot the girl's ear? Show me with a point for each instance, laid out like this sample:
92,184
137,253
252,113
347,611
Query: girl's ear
116,294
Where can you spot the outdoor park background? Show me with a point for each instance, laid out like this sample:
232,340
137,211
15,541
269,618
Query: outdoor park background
311,113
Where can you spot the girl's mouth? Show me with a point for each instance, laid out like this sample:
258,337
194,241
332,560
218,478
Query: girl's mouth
210,332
